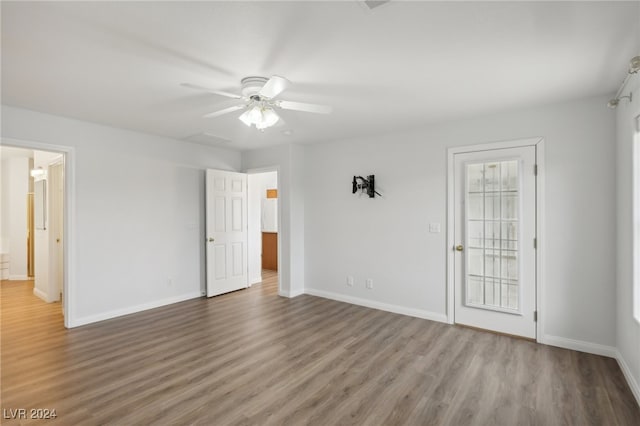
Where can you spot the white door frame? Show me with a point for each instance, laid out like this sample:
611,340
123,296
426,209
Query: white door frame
277,170
69,231
538,142
54,293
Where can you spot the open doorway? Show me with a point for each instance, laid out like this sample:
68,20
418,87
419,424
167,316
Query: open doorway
263,226
32,215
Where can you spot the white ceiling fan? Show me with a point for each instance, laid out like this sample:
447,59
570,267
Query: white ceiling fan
259,100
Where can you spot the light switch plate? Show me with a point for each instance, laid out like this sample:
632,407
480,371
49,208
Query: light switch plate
434,228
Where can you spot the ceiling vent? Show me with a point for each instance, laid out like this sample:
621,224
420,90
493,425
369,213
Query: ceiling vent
207,139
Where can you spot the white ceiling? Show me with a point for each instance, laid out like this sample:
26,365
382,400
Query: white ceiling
402,65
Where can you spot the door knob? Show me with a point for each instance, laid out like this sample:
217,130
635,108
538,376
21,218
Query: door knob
459,247
211,239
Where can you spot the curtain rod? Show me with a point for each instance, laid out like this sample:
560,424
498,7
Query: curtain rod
634,67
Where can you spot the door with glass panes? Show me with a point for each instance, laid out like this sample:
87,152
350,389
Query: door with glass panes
494,234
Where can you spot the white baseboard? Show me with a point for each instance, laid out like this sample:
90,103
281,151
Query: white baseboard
18,277
412,312
579,345
291,294
633,383
41,294
296,293
76,322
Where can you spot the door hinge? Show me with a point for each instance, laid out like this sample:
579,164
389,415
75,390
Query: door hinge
535,243
535,170
535,316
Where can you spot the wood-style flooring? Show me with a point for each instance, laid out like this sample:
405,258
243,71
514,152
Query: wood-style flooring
254,358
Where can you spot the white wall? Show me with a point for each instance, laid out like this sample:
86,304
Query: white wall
258,184
628,329
15,187
290,162
387,238
139,212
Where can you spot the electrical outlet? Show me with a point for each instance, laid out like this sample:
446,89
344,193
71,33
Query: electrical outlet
434,228
350,281
369,283
170,281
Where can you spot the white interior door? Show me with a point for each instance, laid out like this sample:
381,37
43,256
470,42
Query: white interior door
226,214
495,230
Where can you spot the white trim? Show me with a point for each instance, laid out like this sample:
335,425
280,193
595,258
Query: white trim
635,218
578,345
538,142
626,371
18,277
412,312
451,220
291,294
258,170
53,293
68,152
134,309
41,295
255,280
540,240
515,143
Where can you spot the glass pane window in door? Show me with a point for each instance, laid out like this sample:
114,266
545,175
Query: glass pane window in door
509,235
475,265
476,234
474,290
475,176
492,292
475,206
492,200
492,234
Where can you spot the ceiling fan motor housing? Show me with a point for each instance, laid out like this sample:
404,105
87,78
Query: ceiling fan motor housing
252,85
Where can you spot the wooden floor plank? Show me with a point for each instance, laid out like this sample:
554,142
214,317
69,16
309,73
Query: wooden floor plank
254,358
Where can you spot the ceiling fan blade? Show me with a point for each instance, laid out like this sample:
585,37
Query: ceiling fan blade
273,87
206,89
224,111
299,106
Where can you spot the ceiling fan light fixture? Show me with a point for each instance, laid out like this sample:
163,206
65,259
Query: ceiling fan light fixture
260,116
245,118
269,117
255,115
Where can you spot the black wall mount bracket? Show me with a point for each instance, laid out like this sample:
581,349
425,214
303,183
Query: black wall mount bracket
367,185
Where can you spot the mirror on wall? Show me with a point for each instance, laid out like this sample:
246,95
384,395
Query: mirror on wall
39,201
